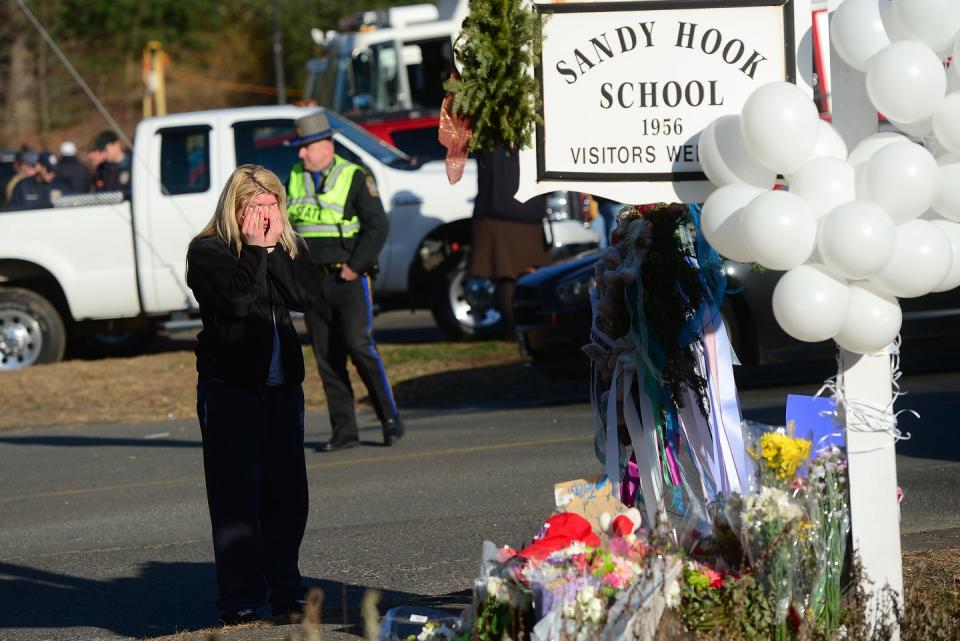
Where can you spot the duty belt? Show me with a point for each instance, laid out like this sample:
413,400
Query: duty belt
329,269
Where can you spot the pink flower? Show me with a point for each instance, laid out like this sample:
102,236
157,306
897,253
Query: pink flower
505,553
715,578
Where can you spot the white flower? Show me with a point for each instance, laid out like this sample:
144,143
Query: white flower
593,611
493,587
433,632
672,593
505,594
570,610
586,594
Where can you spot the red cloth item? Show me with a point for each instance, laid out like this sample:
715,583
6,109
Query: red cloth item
558,532
454,134
622,526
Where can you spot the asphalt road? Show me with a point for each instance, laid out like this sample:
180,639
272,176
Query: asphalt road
104,532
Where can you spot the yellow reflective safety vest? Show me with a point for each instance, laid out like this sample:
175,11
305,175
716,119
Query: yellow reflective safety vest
320,215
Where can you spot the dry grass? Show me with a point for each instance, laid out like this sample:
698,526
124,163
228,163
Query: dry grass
160,387
935,574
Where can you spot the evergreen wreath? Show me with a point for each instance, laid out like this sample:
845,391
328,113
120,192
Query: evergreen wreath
498,44
672,294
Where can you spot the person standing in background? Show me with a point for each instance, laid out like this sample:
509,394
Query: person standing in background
112,165
41,189
335,206
73,172
24,166
508,237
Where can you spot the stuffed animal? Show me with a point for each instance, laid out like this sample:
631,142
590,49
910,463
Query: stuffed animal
623,525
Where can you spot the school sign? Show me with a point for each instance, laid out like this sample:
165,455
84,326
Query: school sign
628,86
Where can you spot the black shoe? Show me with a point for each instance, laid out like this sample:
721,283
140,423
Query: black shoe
334,445
237,617
392,431
289,613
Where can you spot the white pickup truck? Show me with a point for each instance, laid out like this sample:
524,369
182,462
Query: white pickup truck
92,267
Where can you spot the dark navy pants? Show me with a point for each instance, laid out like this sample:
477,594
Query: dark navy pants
341,326
256,479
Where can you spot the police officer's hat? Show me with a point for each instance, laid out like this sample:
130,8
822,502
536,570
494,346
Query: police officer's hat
311,128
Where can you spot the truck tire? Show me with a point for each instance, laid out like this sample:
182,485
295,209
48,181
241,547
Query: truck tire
31,330
449,306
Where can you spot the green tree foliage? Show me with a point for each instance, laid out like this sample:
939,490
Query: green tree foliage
498,46
231,42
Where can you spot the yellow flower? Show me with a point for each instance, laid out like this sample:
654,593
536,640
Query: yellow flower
782,454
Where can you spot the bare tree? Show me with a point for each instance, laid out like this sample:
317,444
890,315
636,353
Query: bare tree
20,110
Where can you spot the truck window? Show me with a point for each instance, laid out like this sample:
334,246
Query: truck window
430,71
185,160
261,143
376,76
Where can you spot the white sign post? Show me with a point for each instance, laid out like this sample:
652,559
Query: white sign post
867,382
628,86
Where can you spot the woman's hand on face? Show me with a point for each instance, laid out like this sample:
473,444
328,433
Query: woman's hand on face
252,227
275,228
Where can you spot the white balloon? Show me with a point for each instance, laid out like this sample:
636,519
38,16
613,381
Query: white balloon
947,158
953,74
871,145
952,231
873,320
810,303
828,143
933,23
725,159
857,32
903,179
947,201
824,183
891,22
856,239
779,124
720,220
919,129
906,81
946,122
779,230
922,259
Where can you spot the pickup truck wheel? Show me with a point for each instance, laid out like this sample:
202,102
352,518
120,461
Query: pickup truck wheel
449,304
31,330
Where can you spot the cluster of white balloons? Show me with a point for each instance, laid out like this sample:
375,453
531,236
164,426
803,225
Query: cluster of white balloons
852,231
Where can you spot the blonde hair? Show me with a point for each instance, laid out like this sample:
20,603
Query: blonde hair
246,182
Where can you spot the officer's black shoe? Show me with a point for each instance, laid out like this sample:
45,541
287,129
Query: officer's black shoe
237,617
335,445
392,431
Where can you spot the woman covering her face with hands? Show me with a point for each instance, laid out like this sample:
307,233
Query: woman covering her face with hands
248,270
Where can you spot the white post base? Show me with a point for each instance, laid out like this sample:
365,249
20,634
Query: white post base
874,510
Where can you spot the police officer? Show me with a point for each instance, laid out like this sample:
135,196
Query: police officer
41,189
335,206
112,166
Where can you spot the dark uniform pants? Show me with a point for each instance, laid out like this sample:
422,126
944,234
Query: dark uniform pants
256,479
342,325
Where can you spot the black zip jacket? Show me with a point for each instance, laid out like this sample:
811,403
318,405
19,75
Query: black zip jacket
236,296
358,252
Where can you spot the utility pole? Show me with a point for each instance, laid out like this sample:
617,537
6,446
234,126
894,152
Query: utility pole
278,55
155,61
